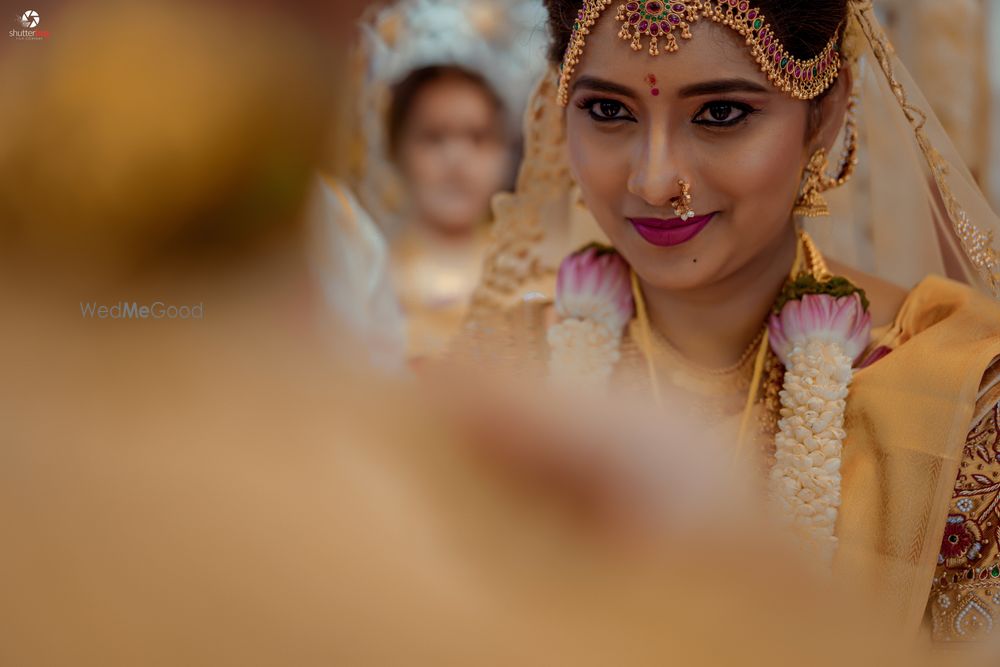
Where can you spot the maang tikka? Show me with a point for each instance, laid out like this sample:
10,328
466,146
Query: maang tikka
658,19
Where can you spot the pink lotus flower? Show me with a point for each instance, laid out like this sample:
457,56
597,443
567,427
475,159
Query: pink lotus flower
595,284
821,317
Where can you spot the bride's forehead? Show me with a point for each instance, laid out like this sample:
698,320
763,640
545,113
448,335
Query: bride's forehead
713,50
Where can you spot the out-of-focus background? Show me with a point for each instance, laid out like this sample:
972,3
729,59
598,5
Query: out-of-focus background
953,50
993,58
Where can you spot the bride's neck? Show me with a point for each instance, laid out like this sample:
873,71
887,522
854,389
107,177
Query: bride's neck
713,325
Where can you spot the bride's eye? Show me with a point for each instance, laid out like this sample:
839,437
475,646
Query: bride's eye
723,114
606,111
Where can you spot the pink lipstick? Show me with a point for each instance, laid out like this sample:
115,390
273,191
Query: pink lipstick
673,232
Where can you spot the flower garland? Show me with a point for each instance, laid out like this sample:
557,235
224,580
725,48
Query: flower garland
819,328
594,304
818,335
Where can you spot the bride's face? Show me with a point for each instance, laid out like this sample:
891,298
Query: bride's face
637,124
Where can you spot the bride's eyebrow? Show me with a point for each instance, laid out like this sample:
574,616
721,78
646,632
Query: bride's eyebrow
721,87
596,85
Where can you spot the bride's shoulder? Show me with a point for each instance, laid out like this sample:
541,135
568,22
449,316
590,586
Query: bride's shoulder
931,301
886,298
937,318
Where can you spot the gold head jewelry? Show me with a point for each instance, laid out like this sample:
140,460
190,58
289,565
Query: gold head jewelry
815,181
659,19
682,204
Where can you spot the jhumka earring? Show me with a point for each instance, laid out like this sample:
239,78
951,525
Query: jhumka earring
811,202
682,204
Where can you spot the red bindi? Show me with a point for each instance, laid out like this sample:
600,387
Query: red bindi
651,80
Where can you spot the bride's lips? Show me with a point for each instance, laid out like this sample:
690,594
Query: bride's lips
666,233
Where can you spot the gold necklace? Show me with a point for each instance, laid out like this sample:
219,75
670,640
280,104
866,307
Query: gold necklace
661,341
805,253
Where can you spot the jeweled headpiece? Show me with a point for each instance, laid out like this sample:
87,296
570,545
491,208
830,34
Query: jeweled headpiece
659,19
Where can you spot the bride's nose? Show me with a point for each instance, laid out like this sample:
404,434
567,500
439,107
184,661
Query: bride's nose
654,172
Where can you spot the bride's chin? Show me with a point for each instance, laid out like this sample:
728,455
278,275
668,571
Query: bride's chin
675,276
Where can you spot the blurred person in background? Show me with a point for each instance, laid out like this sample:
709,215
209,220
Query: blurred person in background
443,86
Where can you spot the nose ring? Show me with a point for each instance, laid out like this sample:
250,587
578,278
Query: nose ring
682,204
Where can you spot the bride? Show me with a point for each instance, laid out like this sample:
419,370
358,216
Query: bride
699,136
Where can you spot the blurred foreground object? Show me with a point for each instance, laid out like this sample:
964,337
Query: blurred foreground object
169,134
230,504
175,140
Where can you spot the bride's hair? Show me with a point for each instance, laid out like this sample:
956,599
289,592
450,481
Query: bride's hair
803,26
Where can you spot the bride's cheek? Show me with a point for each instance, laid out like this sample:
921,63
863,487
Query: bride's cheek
599,166
758,178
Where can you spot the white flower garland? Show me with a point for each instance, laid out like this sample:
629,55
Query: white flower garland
817,337
594,303
805,481
584,352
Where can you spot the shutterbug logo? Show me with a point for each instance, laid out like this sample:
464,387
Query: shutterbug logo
29,20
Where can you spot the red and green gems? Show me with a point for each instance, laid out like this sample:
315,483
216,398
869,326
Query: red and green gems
649,17
659,21
656,19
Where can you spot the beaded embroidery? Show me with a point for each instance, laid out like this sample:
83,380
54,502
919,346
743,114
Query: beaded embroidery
965,599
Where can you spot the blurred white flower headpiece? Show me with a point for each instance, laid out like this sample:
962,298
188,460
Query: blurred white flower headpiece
504,41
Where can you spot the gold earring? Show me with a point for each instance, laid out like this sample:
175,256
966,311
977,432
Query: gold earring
811,202
682,204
